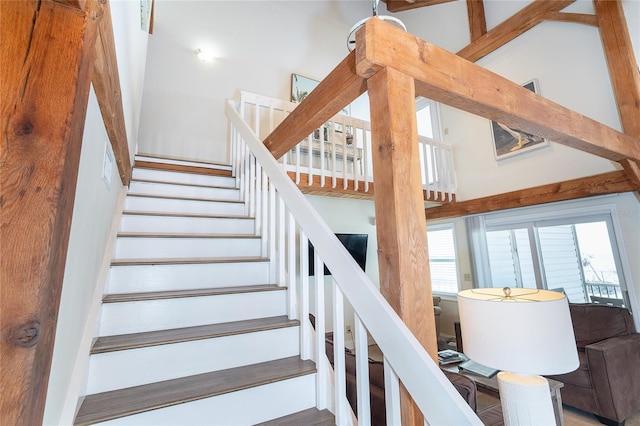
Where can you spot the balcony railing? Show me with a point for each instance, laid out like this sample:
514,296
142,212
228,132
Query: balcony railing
338,153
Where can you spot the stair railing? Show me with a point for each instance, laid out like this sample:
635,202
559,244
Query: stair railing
290,222
338,153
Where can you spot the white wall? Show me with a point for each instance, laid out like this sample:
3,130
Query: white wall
93,213
350,216
259,45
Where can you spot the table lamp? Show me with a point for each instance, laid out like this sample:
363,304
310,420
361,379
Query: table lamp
524,333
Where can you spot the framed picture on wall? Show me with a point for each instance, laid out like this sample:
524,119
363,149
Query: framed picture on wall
301,86
508,142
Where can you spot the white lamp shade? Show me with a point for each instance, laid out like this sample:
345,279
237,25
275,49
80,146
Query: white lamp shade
529,332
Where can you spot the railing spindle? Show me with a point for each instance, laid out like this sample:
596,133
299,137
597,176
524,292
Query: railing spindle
291,251
305,336
339,366
362,372
318,271
392,395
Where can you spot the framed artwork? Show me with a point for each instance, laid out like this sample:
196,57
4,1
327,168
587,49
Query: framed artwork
508,142
301,87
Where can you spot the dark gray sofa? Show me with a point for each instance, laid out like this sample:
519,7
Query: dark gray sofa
607,382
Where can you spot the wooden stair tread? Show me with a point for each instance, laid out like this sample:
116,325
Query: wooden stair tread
161,337
183,235
190,215
197,185
310,417
123,402
188,261
176,197
181,168
194,292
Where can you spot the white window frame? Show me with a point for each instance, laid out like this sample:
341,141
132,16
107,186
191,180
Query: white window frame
499,220
441,227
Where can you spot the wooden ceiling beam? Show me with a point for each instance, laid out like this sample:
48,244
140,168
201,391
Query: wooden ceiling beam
603,184
623,72
518,24
447,78
400,5
577,18
341,87
477,20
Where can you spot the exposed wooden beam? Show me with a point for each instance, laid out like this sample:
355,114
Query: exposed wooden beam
577,18
477,20
623,71
403,262
607,183
632,170
400,5
47,58
106,83
521,22
341,87
316,188
447,78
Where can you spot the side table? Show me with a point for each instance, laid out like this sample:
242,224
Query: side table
489,385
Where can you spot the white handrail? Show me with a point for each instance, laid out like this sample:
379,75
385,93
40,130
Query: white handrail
430,389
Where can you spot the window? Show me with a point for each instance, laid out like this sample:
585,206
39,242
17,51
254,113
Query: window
442,259
577,255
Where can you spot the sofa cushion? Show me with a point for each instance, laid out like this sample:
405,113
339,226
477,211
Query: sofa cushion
594,323
580,377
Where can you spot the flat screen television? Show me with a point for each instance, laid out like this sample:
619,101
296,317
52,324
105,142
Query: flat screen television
356,245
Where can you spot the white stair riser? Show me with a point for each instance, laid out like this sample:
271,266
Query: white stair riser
184,248
171,190
245,407
187,225
187,178
148,315
139,278
172,205
121,369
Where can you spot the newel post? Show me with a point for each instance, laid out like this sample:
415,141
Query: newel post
399,203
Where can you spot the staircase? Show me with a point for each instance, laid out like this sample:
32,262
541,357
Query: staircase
191,330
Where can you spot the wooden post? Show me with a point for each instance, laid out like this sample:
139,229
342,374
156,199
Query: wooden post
401,227
47,60
623,72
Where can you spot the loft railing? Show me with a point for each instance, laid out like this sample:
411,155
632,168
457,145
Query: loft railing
287,222
338,153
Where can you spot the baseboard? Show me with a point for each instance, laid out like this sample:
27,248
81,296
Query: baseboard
78,380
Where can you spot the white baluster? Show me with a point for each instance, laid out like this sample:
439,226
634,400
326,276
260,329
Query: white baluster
318,271
339,368
281,243
392,395
305,334
272,233
362,372
291,251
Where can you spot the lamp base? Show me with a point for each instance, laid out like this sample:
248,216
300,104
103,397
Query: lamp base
525,399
